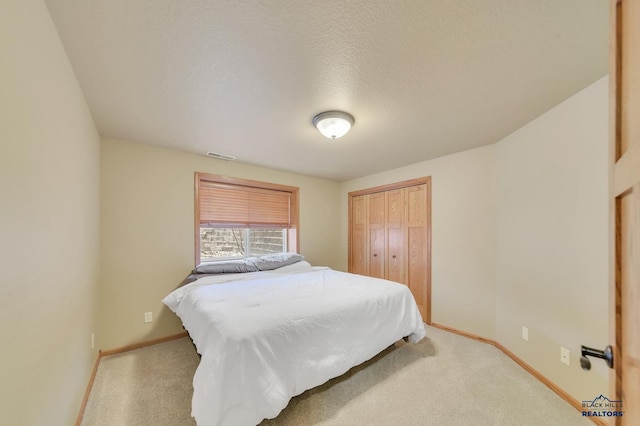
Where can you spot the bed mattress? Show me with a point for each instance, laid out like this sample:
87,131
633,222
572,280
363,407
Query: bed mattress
267,336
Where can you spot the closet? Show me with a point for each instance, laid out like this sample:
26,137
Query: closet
390,236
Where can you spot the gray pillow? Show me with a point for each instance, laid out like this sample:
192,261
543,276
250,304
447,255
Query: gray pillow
276,260
226,267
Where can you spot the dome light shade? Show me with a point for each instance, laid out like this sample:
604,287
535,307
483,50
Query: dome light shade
333,124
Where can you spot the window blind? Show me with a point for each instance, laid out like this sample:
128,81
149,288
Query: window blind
224,205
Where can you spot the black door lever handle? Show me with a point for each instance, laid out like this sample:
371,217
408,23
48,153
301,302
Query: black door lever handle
607,355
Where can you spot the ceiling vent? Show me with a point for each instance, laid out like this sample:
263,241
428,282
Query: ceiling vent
221,156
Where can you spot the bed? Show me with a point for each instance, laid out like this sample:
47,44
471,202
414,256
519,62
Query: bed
270,333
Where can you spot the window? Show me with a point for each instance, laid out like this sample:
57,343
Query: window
237,218
235,243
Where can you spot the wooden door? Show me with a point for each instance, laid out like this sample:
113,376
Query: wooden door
376,235
625,204
394,228
415,197
358,237
418,247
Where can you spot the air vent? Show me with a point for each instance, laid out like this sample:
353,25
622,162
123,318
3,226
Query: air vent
220,156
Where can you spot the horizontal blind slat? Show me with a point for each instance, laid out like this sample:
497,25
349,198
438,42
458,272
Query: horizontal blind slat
243,205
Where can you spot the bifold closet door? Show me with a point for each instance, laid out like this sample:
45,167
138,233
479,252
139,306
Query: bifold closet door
417,246
389,236
376,236
358,236
395,235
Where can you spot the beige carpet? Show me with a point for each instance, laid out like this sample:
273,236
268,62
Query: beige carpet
444,380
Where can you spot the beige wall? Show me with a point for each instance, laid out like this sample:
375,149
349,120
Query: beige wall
463,218
147,231
552,240
49,184
520,238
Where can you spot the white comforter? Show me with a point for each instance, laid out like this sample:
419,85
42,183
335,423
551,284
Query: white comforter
265,337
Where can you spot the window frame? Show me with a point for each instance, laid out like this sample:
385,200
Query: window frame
293,234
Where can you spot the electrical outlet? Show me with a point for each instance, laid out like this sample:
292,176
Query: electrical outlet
525,333
93,340
564,355
148,317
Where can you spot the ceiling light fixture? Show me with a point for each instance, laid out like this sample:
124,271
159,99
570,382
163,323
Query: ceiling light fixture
333,124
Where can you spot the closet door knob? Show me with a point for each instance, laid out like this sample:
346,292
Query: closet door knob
375,255
394,256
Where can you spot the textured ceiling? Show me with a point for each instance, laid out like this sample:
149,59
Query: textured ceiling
423,78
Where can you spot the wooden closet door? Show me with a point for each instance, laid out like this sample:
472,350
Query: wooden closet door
359,231
376,235
395,247
398,223
418,217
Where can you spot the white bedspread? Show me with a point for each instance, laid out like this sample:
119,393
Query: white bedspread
265,337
